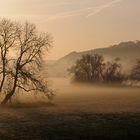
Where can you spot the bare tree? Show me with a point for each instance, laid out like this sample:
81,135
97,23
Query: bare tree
88,68
92,68
135,72
8,32
24,68
112,72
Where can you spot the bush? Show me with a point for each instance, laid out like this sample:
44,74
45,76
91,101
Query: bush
92,68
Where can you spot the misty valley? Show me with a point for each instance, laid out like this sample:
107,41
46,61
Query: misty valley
88,95
69,70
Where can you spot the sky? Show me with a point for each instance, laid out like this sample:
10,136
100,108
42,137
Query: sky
78,25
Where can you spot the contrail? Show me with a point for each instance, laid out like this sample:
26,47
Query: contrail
100,8
79,12
87,12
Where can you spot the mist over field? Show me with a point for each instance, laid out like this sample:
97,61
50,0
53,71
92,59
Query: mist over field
69,70
77,110
95,98
76,97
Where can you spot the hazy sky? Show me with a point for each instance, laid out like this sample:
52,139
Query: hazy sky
78,25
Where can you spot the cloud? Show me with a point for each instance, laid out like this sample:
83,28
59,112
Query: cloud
100,8
56,9
88,12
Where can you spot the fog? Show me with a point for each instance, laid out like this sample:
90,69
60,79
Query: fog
74,97
94,98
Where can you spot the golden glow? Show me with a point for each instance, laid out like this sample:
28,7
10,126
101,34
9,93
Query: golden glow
78,25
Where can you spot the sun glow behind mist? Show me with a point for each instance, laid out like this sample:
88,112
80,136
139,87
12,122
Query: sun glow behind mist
78,24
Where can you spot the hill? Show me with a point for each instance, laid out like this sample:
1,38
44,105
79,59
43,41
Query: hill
128,52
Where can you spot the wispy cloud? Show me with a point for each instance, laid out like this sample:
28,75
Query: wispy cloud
102,7
88,11
50,10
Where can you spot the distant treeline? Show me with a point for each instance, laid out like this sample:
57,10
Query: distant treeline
93,68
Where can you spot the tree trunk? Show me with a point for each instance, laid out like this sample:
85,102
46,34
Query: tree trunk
3,75
8,97
11,93
2,82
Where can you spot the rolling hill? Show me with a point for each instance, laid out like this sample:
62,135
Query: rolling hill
128,52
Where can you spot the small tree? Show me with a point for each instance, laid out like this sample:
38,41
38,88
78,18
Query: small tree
88,68
135,72
92,68
23,69
112,72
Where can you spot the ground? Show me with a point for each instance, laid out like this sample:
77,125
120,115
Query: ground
38,124
77,112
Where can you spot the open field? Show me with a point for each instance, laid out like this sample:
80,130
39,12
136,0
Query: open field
77,112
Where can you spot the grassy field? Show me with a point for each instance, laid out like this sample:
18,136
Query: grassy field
82,112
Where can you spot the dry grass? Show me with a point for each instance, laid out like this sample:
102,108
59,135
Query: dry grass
77,112
41,124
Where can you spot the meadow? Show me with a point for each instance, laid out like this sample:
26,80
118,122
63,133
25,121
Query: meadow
77,111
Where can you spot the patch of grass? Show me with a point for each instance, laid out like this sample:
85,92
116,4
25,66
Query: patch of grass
29,104
39,124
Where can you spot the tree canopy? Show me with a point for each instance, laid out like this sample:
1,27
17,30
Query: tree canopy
21,53
93,68
135,72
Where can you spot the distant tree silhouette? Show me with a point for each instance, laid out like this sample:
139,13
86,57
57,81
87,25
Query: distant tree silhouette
92,68
112,72
88,68
22,70
135,72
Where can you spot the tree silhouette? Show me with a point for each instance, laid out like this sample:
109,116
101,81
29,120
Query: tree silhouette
8,32
135,72
112,72
22,70
88,68
92,68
